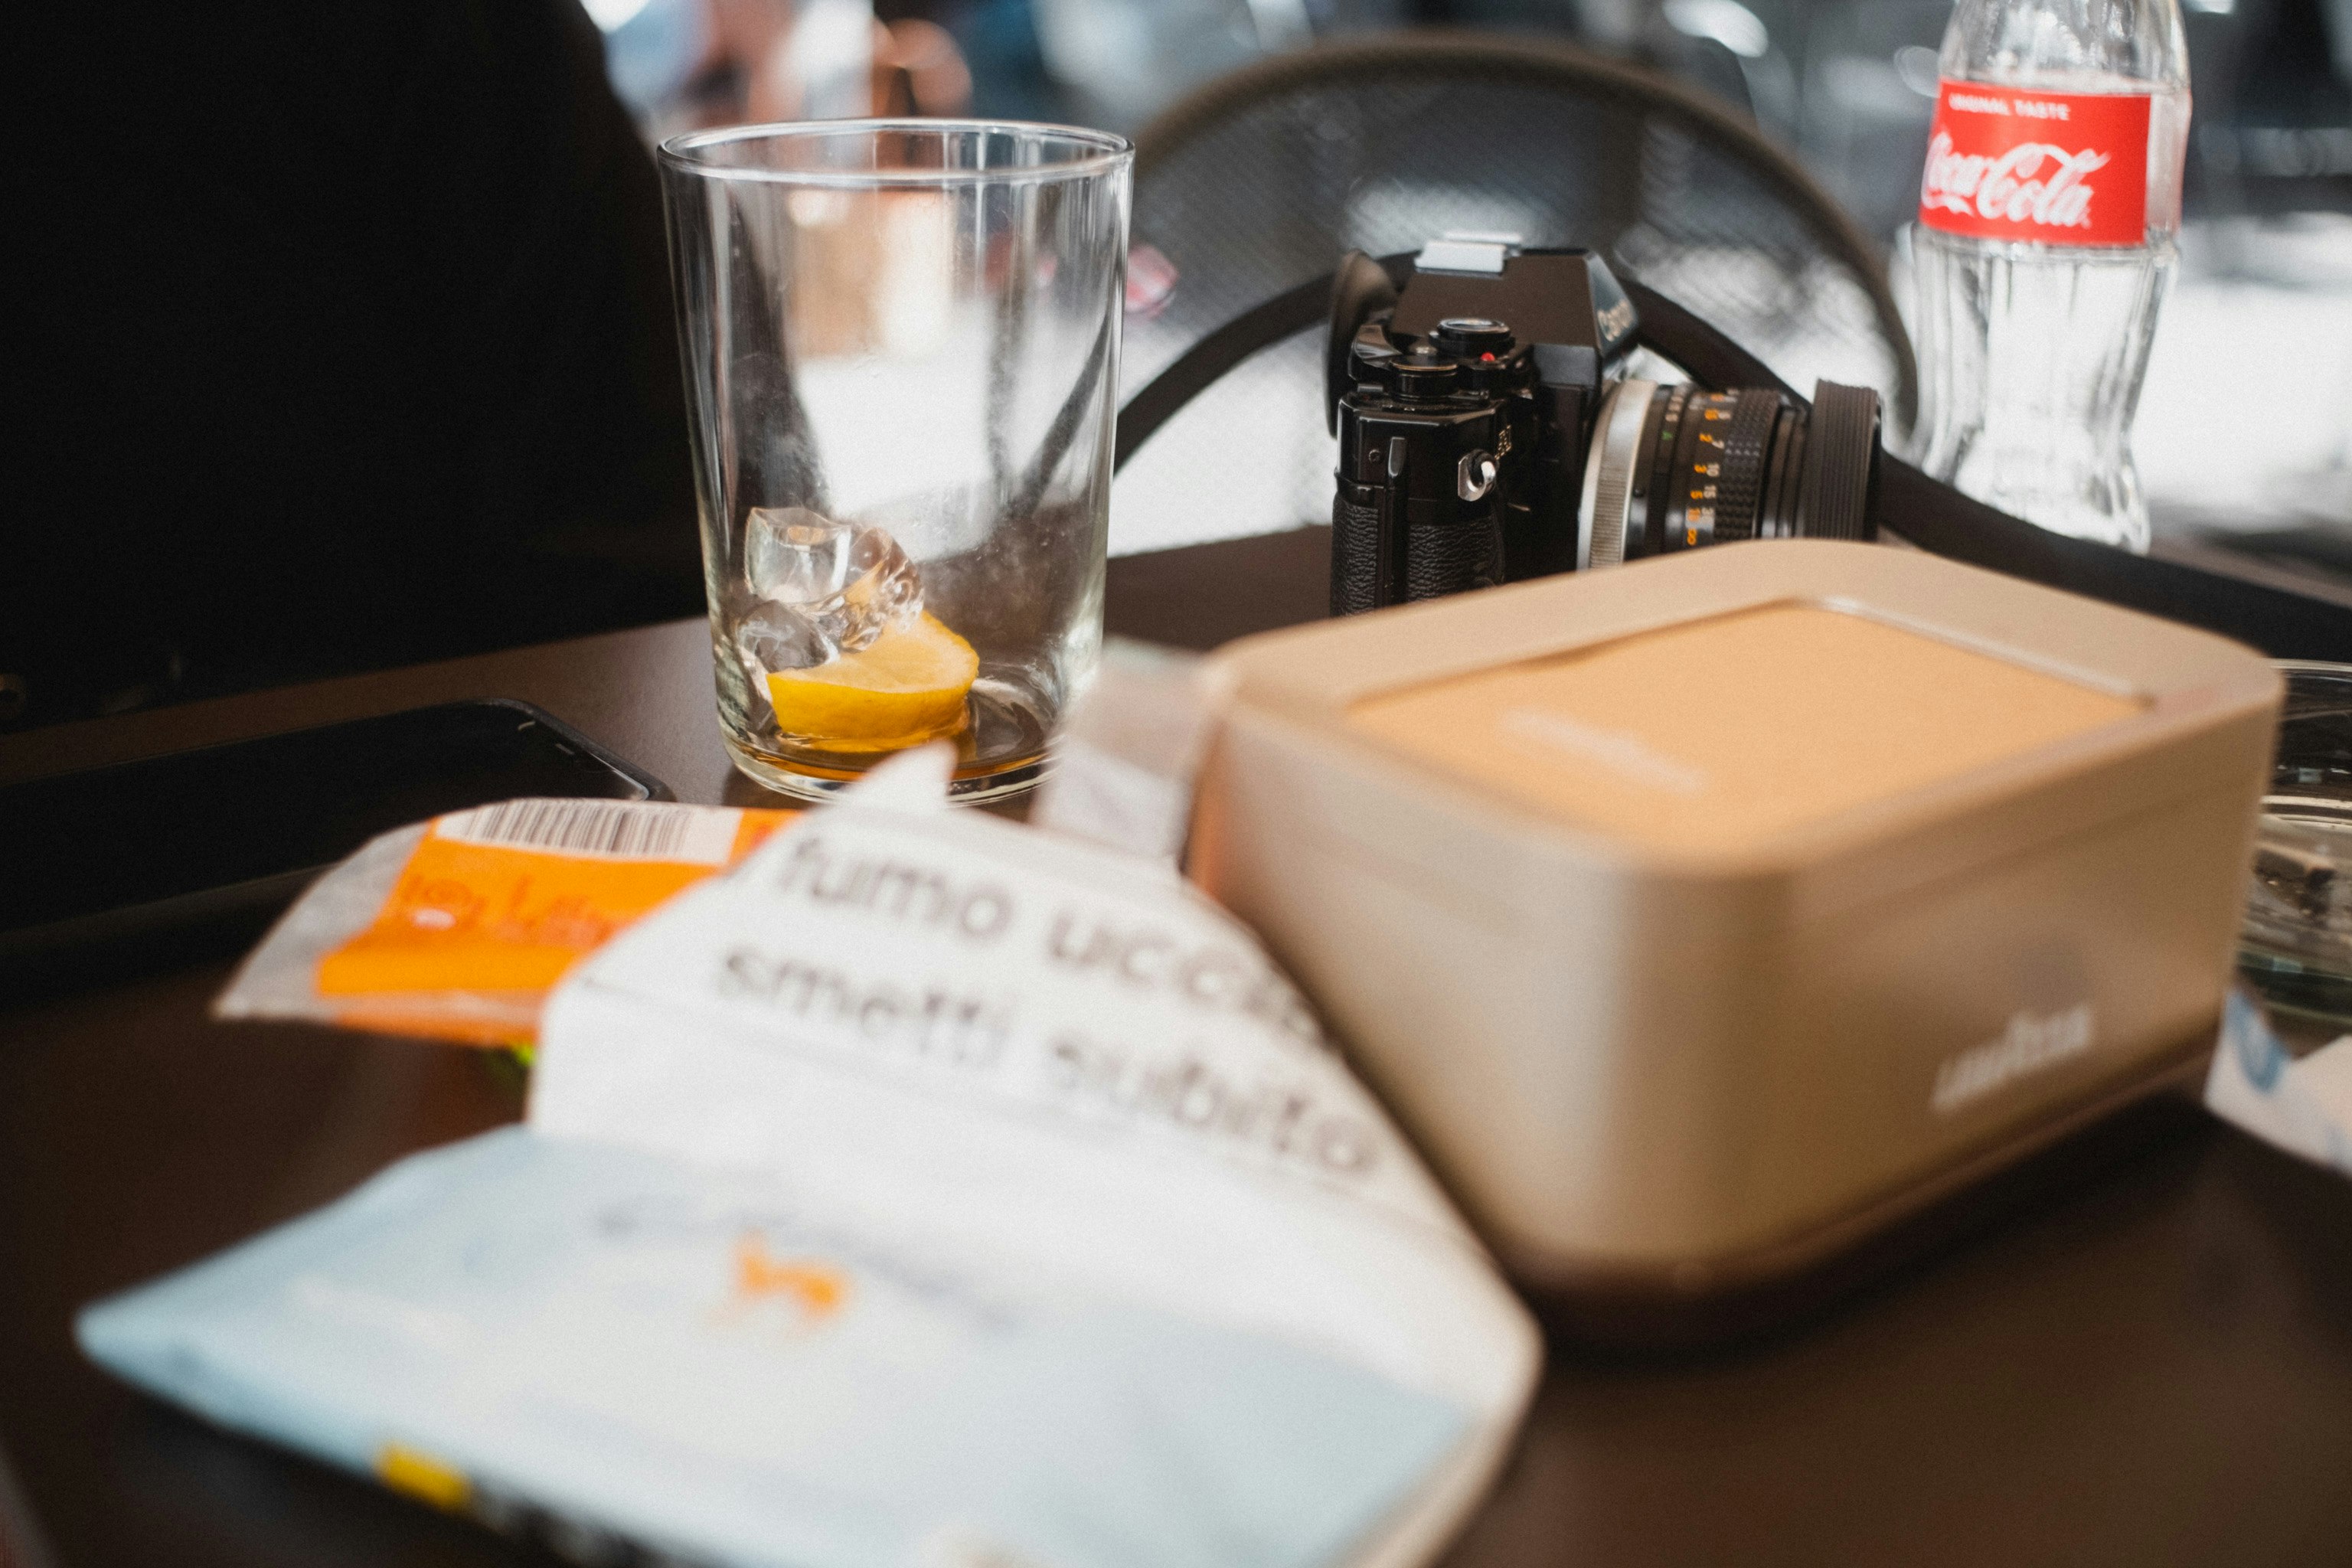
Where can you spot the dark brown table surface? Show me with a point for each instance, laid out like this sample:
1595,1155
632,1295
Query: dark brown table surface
2149,1364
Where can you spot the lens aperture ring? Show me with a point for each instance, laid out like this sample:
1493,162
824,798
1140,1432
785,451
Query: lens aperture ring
1733,440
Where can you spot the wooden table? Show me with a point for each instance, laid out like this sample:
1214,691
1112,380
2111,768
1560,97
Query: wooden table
2150,1364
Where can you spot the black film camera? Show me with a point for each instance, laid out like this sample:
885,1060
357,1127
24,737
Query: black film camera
1488,433
1826,458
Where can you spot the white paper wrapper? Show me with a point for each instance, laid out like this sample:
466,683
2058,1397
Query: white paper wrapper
926,1189
1123,774
2303,1107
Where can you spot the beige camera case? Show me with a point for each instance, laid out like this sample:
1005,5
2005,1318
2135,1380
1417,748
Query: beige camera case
1692,1058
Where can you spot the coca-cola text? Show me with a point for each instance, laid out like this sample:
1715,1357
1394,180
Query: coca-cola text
1998,168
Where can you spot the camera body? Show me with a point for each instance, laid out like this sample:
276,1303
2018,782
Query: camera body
1463,406
1487,432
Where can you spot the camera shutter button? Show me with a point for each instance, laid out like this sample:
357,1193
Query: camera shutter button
1423,374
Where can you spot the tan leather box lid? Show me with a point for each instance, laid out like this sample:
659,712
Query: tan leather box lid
1749,705
1726,729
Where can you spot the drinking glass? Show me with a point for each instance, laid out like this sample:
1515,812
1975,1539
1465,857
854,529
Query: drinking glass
901,347
2295,947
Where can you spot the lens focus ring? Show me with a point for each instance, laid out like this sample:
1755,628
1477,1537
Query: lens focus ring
1841,467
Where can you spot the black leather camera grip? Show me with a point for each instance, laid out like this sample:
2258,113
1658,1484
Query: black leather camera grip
1440,558
1355,555
1452,557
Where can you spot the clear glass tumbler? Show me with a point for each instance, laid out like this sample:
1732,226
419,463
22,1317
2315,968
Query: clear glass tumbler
901,350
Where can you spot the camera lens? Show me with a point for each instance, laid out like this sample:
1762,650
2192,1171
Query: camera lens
1674,468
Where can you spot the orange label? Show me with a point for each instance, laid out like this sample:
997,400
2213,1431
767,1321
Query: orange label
480,907
816,1288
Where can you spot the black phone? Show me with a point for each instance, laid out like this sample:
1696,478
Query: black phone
166,855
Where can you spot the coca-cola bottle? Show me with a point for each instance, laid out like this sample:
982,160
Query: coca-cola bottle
2044,244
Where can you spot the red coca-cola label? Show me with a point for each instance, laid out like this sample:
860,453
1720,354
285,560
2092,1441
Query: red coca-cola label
2064,168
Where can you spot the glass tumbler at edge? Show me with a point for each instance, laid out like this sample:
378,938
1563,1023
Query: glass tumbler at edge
900,342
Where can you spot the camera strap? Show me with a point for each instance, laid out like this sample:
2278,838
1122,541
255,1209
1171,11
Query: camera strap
2262,606
1262,326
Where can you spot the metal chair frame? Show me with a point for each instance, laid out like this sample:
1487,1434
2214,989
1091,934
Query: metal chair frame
1417,55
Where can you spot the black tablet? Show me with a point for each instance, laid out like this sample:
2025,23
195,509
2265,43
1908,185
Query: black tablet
143,854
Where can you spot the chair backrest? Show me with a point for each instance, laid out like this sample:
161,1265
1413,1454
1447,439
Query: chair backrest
1259,180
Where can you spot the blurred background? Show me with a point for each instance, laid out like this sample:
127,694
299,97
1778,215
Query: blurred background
2245,428
353,330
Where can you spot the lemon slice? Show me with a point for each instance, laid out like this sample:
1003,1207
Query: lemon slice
906,687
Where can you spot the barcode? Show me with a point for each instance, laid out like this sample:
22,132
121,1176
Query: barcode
613,829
